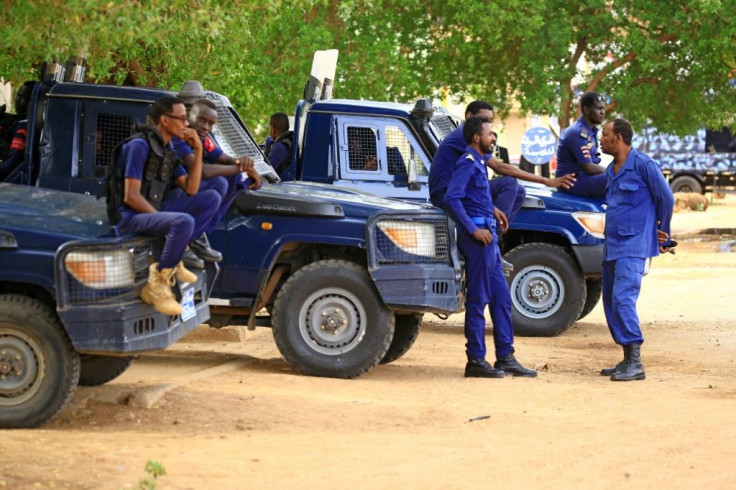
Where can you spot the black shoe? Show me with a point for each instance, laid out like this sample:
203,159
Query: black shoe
510,365
507,266
632,368
610,371
202,248
190,259
479,368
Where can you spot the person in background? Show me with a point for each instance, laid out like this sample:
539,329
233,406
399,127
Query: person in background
17,130
577,150
277,146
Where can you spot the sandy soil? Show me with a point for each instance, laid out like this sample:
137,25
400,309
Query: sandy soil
228,412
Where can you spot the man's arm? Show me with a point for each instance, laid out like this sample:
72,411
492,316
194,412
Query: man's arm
664,201
133,198
566,181
190,183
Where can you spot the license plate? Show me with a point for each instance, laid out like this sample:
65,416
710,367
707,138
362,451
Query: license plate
187,305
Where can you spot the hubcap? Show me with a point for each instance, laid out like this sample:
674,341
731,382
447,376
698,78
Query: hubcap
537,292
332,321
19,368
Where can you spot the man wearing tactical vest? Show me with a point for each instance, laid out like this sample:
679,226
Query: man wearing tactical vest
277,146
150,167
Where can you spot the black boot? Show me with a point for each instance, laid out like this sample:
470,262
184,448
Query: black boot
632,369
617,367
479,368
510,365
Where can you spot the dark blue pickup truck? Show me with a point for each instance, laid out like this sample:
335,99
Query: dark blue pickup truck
343,278
555,243
69,307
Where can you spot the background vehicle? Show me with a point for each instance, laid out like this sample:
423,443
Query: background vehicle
555,243
702,162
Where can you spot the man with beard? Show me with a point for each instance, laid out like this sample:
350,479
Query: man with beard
577,150
468,200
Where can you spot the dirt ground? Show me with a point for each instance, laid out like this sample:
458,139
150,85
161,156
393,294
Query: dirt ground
227,412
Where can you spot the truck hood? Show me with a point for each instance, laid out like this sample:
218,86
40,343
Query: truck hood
561,201
298,197
43,218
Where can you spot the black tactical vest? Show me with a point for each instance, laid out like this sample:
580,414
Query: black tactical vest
157,173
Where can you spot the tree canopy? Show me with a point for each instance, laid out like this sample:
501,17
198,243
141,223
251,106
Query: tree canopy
669,64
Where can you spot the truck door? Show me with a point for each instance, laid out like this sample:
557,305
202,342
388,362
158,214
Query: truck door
374,155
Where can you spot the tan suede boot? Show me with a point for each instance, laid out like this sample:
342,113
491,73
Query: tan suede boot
185,275
157,291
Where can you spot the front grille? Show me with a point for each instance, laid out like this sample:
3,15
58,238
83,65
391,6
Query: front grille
442,125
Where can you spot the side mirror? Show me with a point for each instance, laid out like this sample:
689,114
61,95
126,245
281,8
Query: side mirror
412,176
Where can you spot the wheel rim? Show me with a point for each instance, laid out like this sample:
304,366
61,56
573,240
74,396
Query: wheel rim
332,321
19,368
537,292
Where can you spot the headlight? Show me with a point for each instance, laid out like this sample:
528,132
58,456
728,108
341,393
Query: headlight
593,223
411,237
102,270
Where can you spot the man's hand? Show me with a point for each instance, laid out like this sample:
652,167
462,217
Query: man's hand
566,181
190,137
662,236
501,218
245,163
484,236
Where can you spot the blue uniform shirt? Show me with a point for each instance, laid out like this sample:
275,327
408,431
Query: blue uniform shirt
451,148
210,151
468,195
133,156
278,154
578,145
638,197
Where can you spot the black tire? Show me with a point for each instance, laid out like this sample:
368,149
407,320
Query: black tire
329,320
98,370
39,367
686,183
547,289
593,289
405,334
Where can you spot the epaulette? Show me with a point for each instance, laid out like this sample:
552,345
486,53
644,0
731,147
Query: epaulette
469,157
584,133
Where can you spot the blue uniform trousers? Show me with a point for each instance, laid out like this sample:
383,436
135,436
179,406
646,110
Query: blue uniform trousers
180,219
226,187
621,286
508,195
588,185
485,285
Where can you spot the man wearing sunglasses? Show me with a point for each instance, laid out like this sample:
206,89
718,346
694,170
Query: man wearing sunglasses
149,168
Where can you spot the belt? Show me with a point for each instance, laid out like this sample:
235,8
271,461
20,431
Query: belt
489,223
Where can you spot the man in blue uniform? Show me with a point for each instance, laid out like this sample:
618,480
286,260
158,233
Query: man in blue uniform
222,173
277,146
508,194
468,200
637,228
17,148
577,150
150,167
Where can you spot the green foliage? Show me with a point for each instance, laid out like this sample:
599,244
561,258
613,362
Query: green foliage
660,62
154,469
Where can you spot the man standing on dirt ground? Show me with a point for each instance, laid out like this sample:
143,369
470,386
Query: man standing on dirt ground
638,218
507,193
577,150
468,200
221,172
